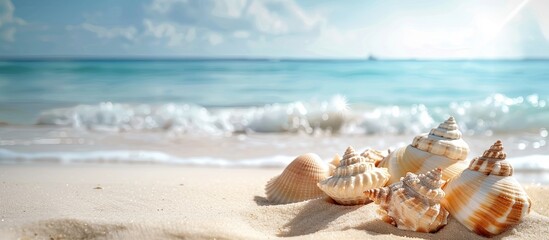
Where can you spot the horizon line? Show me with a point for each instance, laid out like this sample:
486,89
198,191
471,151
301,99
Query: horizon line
242,58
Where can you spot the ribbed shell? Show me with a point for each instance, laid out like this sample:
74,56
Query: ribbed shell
298,182
354,175
413,203
485,198
442,148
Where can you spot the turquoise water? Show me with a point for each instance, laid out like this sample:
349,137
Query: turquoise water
397,91
248,83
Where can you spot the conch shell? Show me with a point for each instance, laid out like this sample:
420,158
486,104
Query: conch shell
298,182
413,203
485,197
354,175
442,148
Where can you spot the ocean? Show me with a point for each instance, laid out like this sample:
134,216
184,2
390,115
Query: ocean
261,112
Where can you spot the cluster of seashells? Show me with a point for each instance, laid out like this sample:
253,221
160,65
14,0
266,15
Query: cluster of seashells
417,186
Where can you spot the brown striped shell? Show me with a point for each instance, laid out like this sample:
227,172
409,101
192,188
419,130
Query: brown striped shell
354,175
442,148
485,197
413,203
298,182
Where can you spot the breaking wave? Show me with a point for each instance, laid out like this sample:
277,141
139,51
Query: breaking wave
494,114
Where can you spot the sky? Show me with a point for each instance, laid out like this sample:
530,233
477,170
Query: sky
421,29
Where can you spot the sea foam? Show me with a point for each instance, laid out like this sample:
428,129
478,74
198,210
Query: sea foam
495,114
530,163
131,156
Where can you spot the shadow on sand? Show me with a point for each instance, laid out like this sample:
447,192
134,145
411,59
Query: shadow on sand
315,216
453,230
262,201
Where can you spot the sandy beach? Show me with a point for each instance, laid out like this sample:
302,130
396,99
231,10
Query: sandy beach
121,201
166,119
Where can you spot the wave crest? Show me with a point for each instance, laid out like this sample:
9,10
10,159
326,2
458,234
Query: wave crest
495,114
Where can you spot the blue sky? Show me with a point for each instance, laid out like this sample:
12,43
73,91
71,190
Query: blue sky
270,28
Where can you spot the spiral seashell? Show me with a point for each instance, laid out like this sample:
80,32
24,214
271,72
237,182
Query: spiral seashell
374,156
485,197
354,175
413,203
298,182
442,148
334,164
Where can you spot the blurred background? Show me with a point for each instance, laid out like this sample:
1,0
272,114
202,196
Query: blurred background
253,83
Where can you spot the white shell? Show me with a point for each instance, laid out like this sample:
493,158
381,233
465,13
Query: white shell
442,148
413,203
334,164
298,182
354,175
485,197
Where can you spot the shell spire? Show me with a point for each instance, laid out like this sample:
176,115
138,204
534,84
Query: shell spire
443,147
298,181
448,129
485,197
439,141
413,203
354,175
492,162
350,157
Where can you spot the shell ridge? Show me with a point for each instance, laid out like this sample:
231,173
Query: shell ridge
355,174
443,147
410,205
298,181
495,200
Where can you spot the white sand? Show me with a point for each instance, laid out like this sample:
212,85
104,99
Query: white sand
151,202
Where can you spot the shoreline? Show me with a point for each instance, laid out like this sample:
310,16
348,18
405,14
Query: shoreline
157,201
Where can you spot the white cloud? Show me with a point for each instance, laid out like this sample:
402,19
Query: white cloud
8,21
218,22
265,20
215,39
164,6
282,17
241,34
225,16
128,33
174,33
228,8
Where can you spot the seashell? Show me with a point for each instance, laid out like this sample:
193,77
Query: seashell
374,155
442,148
485,197
334,164
354,175
413,203
298,182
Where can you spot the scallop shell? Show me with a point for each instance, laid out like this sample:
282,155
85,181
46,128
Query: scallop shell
354,175
298,182
485,197
413,203
442,148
